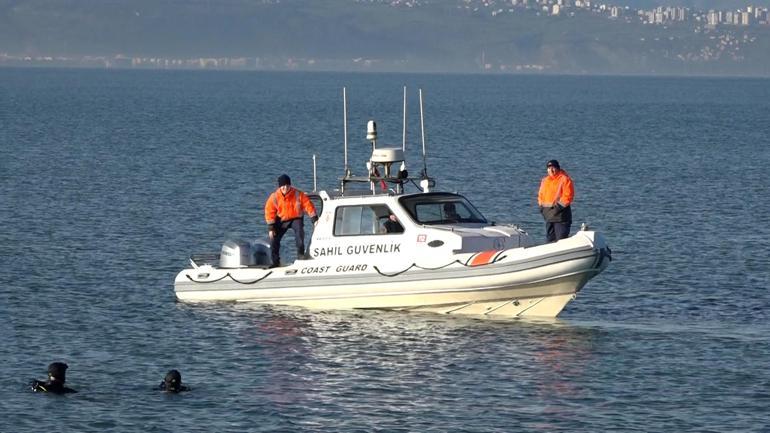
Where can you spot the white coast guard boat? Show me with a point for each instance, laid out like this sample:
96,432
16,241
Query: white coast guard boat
441,255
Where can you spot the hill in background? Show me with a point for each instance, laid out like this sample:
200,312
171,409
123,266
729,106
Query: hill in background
398,35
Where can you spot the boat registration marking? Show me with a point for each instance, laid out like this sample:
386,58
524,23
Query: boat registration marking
351,268
354,250
339,269
314,270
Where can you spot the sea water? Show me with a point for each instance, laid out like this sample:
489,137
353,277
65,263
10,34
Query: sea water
109,180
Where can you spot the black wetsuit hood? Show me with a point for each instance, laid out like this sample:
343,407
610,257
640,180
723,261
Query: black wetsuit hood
57,375
173,382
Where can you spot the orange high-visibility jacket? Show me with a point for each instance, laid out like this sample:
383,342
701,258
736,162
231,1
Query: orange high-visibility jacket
287,207
556,189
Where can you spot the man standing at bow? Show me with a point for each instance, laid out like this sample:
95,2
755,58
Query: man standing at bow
283,210
555,200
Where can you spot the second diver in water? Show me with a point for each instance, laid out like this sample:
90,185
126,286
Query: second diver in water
56,378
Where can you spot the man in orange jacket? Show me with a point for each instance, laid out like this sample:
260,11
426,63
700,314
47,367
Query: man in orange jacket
283,210
555,200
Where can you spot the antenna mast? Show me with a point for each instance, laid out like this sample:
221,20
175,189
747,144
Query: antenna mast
403,144
422,135
345,127
315,177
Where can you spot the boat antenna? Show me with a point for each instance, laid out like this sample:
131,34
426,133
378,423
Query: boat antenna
371,134
402,173
345,127
403,144
422,135
315,178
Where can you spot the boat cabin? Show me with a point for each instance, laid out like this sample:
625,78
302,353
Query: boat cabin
402,227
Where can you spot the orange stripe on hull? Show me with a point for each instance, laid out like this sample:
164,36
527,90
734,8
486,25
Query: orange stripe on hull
483,258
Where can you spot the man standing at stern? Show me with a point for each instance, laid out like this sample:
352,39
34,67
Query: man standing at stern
555,200
283,210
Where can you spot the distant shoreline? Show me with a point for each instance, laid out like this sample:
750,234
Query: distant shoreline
375,72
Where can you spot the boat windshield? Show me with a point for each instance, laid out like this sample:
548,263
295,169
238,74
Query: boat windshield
441,208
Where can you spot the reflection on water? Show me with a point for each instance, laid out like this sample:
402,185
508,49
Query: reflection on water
419,362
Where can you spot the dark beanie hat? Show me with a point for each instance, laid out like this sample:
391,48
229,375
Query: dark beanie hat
57,370
284,180
553,163
173,378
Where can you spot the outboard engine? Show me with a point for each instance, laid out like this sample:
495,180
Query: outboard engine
261,252
236,254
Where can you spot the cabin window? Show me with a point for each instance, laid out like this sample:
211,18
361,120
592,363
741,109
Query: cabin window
447,212
363,220
441,208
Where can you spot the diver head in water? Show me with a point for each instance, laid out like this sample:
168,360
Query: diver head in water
57,372
173,382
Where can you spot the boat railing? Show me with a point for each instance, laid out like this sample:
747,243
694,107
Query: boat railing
382,184
335,194
200,259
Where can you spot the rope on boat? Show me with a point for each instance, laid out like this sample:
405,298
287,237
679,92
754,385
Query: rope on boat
253,282
232,278
467,264
206,282
415,265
